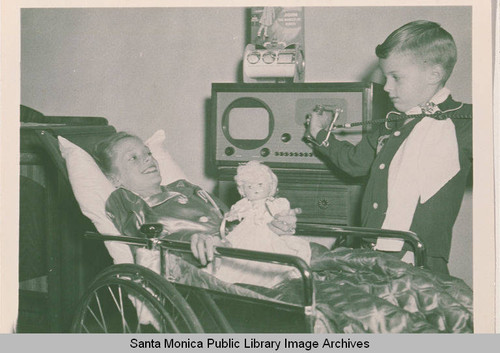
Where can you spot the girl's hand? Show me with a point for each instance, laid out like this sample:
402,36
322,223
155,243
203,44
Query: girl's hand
285,222
232,215
203,247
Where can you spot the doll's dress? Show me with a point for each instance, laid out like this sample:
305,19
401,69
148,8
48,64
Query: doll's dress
253,233
268,16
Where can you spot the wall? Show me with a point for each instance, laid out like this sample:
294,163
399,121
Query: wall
142,69
149,69
340,42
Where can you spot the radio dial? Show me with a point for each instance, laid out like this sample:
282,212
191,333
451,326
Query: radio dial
286,137
264,152
229,151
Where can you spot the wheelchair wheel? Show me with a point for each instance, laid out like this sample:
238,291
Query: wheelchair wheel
129,298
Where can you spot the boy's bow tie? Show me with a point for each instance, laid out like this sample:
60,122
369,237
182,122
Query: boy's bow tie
429,109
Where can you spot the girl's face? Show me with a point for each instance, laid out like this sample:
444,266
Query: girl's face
134,168
257,189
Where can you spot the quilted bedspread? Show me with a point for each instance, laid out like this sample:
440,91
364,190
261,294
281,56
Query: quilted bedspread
365,291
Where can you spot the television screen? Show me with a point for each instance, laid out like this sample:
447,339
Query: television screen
248,123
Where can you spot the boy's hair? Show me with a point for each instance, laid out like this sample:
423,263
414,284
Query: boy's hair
426,41
103,151
254,170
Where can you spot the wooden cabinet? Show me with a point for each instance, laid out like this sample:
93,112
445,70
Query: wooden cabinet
322,198
55,263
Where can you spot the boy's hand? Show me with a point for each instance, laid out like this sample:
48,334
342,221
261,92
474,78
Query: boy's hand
285,222
318,122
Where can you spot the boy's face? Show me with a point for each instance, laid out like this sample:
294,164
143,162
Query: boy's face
134,167
408,83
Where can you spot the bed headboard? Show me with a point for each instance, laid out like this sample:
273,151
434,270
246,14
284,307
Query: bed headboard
39,133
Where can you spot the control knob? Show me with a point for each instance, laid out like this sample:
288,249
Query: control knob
286,137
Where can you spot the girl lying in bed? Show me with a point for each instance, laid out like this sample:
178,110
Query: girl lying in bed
356,290
190,214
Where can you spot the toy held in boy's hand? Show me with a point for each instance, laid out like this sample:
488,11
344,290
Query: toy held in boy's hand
312,129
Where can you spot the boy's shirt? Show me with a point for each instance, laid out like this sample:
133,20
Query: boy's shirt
433,220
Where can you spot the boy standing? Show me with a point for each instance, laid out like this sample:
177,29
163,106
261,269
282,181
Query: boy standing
418,167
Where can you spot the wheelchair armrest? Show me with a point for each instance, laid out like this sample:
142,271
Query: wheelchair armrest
325,230
290,260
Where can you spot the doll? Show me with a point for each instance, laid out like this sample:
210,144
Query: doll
257,185
266,21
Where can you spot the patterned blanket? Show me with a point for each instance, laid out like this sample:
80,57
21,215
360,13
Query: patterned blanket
365,291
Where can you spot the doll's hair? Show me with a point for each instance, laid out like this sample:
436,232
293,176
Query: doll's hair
103,152
254,170
425,41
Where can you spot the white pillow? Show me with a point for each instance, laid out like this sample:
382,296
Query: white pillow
169,169
92,189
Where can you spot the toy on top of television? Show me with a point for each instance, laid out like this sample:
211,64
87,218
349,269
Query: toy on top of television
320,109
276,51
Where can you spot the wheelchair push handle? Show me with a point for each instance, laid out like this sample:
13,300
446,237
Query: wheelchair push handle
151,230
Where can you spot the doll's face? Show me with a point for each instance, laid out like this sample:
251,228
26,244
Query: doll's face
257,189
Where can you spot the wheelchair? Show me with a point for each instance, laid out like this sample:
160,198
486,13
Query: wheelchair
121,294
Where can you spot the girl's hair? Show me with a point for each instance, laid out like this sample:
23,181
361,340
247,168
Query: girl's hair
103,151
252,171
426,41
